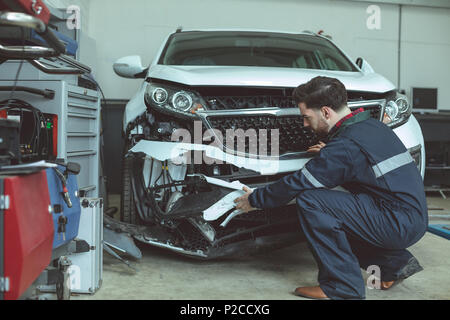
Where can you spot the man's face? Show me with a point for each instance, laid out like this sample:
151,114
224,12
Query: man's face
314,119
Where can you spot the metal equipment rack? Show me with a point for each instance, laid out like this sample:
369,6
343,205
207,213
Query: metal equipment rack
76,106
63,89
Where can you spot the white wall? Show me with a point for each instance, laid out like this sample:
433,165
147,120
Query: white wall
139,27
87,50
425,51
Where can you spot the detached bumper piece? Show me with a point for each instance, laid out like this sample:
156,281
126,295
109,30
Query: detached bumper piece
172,217
188,234
246,234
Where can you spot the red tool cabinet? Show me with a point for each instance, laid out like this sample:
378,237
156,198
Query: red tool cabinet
27,231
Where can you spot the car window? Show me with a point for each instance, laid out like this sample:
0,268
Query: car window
253,49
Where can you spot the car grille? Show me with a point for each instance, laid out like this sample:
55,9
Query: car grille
293,136
240,102
375,110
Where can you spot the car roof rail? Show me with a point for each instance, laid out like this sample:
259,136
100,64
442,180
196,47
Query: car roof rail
309,32
318,34
322,34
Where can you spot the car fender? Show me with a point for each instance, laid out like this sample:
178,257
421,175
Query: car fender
411,135
135,107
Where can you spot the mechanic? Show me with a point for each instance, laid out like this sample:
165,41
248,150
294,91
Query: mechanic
380,210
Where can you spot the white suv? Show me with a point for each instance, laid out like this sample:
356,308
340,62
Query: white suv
204,85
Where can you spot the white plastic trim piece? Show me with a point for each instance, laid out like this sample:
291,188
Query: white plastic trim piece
175,151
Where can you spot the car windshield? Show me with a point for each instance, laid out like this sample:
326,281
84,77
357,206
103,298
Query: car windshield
259,49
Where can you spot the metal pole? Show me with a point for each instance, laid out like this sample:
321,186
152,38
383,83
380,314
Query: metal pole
399,45
2,245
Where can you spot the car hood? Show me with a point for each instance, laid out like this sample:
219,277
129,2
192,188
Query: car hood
265,77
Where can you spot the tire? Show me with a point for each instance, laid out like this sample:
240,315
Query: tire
128,212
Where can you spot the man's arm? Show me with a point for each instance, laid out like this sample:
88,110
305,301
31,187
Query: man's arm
330,168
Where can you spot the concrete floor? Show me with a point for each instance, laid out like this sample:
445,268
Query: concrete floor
271,276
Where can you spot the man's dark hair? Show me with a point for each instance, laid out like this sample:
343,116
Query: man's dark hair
321,91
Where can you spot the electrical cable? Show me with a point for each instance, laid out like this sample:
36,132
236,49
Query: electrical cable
103,129
137,177
22,32
164,172
21,105
101,104
39,124
151,174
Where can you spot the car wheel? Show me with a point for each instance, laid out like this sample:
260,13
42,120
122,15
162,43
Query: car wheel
128,212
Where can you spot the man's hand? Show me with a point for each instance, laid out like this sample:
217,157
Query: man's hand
242,202
316,148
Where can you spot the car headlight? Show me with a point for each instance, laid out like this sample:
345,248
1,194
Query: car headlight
182,101
170,99
397,111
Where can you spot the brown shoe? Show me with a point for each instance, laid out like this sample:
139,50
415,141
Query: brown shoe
386,284
311,293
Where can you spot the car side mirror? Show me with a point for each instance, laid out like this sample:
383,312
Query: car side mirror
130,67
364,65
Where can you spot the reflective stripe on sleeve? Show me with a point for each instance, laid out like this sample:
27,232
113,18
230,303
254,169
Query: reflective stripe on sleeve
392,163
311,178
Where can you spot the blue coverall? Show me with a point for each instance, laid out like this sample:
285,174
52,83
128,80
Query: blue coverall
384,212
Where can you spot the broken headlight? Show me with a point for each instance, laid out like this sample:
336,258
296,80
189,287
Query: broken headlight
170,99
397,111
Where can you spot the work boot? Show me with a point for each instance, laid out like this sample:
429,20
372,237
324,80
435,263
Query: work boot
408,270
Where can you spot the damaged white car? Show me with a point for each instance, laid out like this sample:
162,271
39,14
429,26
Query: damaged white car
215,112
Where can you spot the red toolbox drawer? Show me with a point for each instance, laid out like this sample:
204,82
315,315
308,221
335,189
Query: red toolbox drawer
27,231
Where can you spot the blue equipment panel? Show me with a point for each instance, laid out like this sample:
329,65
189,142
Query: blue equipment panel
60,207
442,230
71,45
